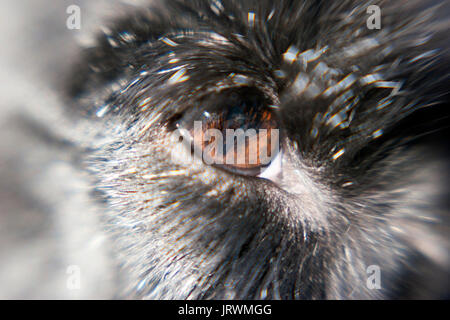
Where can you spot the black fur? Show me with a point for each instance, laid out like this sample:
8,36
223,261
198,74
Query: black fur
365,162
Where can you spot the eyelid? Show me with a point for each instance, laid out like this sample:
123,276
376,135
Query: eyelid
273,171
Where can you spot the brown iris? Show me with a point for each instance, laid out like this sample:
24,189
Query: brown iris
239,134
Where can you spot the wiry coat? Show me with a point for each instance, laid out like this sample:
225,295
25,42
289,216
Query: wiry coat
362,115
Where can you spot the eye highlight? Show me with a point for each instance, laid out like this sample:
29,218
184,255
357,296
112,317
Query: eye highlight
236,131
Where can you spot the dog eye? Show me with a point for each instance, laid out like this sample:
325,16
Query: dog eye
236,131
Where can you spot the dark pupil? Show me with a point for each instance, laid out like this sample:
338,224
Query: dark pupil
240,115
236,118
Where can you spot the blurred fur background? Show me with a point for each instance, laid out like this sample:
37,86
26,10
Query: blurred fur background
75,186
